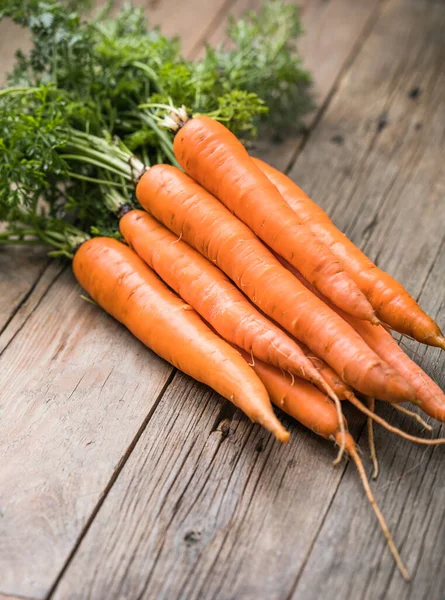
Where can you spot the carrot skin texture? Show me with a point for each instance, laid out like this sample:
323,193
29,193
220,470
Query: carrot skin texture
178,202
123,285
341,388
216,159
402,381
299,399
430,398
393,304
213,295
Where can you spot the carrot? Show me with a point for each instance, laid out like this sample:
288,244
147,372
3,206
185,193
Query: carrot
341,389
216,159
121,283
202,285
195,215
429,397
315,411
393,304
344,392
299,399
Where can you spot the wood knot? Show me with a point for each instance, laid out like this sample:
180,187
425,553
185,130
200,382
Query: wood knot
192,537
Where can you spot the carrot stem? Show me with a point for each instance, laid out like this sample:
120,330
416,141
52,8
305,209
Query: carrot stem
92,161
375,462
98,181
380,518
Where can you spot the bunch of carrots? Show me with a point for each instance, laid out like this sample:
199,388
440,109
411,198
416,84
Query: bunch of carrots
237,278
227,269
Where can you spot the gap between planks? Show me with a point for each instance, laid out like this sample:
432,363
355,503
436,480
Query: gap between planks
110,484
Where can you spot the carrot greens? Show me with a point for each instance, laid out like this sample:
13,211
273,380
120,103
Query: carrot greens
89,73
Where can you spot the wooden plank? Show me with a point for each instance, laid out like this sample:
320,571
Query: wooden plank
234,524
20,297
189,20
76,390
194,487
333,33
12,37
20,271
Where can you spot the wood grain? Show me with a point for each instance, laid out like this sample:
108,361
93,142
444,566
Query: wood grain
334,31
20,271
76,390
20,294
194,487
190,20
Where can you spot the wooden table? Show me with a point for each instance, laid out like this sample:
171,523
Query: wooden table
121,478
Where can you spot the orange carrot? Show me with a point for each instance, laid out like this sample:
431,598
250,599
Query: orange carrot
121,283
342,389
216,159
429,397
394,305
344,392
202,285
195,215
307,405
299,399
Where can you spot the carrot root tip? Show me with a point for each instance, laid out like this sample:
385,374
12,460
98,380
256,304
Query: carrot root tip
380,518
414,416
283,436
440,341
277,429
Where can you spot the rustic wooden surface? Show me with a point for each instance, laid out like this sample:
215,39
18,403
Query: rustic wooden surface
120,478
